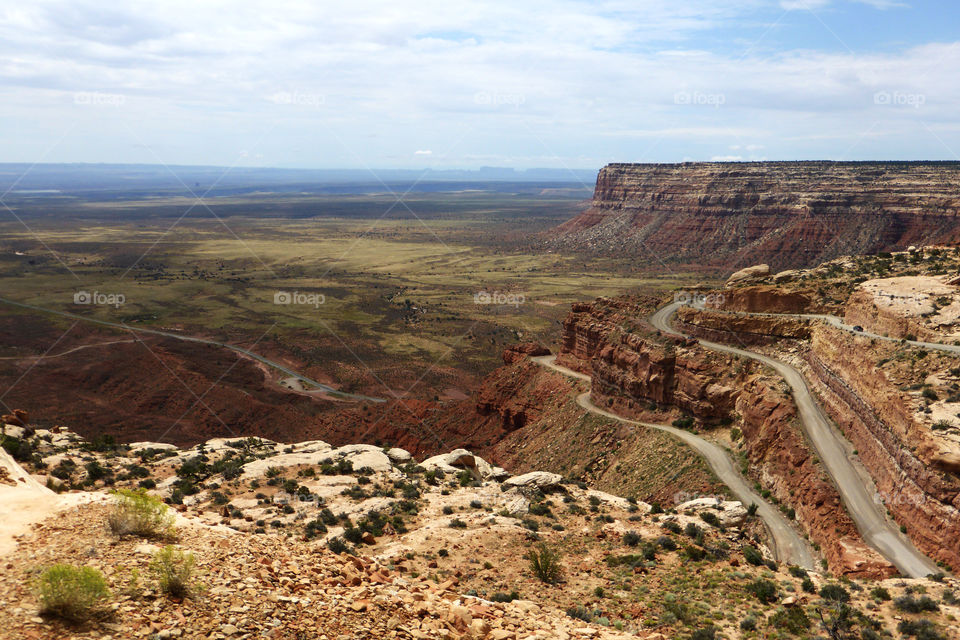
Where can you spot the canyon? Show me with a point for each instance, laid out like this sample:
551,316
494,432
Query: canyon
786,214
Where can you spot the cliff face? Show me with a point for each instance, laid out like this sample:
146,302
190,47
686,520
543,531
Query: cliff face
898,452
631,370
777,451
785,214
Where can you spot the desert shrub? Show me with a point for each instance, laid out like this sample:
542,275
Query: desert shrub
540,509
793,620
353,534
580,612
748,624
751,555
764,590
173,571
631,538
880,593
808,585
911,604
683,423
72,593
672,527
545,563
752,509
667,543
710,518
457,523
327,517
694,553
138,513
929,394
920,629
338,546
476,504
707,633
797,572
314,528
692,530
500,596
448,510
834,593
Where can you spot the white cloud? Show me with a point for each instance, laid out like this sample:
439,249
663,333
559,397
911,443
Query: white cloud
300,83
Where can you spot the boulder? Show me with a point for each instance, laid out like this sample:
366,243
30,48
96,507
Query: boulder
365,455
756,271
399,456
730,513
947,462
542,480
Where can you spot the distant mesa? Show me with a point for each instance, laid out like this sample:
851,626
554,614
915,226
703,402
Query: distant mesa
784,214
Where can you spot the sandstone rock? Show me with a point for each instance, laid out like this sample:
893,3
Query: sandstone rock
541,480
730,512
399,456
749,273
520,351
947,461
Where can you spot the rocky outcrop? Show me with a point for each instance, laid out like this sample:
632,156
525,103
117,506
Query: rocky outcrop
900,456
632,369
520,351
740,329
785,214
763,299
749,273
780,457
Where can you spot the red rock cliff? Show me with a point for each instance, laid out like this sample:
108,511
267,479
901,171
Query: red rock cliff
785,214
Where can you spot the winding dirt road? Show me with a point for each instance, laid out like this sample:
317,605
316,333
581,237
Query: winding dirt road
177,336
788,545
853,483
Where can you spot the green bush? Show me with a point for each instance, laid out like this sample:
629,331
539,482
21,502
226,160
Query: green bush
632,538
173,571
793,620
751,555
72,593
920,629
545,563
764,590
138,513
880,593
911,604
834,593
500,596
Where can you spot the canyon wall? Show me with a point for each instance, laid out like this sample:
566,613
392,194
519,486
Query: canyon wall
631,370
897,451
785,214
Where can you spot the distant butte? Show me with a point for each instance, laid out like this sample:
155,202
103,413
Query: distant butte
785,214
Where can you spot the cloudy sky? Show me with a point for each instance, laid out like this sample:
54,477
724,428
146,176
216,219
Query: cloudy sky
461,84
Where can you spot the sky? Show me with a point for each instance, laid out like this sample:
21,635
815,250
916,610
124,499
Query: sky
462,84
